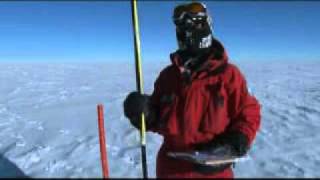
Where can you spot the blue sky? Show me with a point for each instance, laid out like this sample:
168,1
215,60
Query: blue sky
102,31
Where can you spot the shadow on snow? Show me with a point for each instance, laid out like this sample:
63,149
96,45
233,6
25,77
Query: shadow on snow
9,169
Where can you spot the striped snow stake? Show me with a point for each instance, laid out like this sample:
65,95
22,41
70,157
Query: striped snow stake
102,140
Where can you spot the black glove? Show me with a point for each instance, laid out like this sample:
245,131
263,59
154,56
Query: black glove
231,143
135,104
238,141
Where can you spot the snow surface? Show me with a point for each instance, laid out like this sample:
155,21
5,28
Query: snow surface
48,120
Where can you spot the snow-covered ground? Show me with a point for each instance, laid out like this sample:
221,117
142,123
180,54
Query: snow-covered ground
48,120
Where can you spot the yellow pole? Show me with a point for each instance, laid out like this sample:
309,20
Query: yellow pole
139,82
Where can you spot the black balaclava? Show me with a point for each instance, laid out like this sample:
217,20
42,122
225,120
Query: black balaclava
193,32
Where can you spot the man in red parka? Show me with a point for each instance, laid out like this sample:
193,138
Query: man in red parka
199,102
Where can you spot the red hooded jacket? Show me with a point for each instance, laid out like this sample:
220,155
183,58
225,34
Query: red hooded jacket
214,102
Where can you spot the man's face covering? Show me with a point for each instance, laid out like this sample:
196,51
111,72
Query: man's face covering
193,28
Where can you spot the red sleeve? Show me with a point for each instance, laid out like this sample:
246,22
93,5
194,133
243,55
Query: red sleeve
243,108
155,102
155,96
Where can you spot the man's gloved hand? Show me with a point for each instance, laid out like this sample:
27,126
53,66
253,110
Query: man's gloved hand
134,104
229,143
237,140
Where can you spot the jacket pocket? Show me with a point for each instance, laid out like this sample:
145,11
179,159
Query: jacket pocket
215,118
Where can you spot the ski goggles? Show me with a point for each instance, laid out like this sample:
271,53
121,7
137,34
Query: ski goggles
190,14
